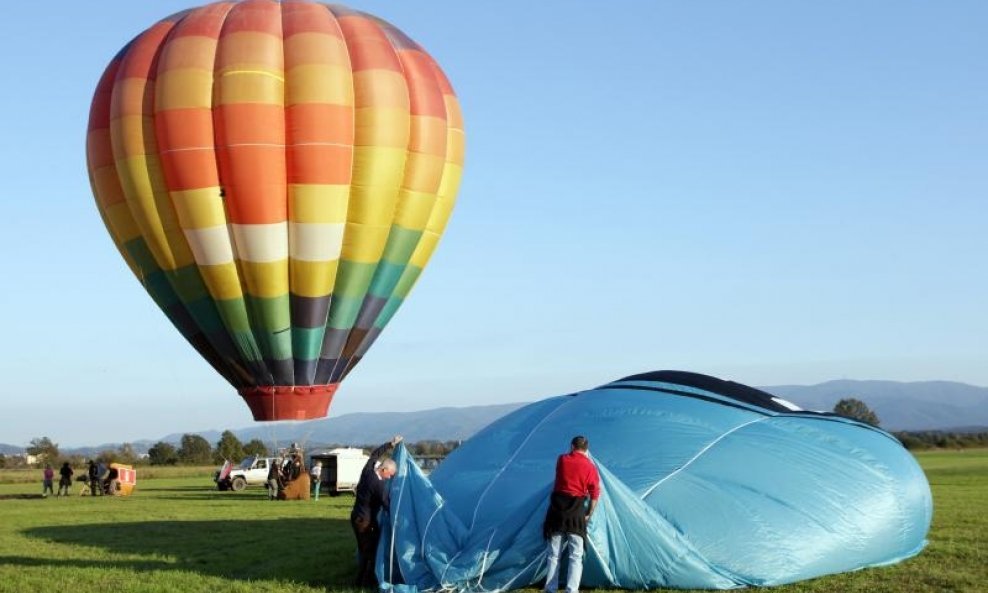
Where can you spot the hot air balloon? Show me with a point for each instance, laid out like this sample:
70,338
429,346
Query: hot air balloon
276,175
705,484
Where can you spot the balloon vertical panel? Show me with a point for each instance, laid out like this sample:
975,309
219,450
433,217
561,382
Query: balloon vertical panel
183,118
276,174
417,193
381,131
320,124
117,215
438,216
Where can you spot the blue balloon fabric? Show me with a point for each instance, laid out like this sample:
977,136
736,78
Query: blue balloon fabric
705,484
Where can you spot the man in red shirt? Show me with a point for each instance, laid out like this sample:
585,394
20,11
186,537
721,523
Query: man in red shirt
577,481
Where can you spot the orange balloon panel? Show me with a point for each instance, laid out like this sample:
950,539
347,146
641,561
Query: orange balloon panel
276,175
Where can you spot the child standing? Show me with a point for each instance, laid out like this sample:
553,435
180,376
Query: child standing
47,482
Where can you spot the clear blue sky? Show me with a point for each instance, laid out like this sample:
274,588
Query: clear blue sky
770,192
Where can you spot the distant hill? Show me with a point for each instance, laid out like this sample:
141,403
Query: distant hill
140,447
441,424
968,429
6,449
926,405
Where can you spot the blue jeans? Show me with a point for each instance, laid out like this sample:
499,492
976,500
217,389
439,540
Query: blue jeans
556,545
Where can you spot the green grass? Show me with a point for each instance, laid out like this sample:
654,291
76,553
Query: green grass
178,534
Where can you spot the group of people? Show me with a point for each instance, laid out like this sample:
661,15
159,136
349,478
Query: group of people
573,500
285,471
288,470
100,478
64,481
103,479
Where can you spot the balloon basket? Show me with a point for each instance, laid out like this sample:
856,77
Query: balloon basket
291,402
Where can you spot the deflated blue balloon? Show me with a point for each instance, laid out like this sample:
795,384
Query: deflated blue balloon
706,484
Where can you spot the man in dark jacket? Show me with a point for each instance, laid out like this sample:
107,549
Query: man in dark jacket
371,496
93,475
65,479
274,479
577,482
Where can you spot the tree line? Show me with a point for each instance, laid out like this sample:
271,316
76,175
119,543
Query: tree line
937,439
192,449
914,439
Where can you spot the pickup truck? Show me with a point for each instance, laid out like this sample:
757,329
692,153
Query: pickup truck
252,471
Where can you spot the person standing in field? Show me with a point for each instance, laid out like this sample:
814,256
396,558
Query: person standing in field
46,481
93,474
65,479
274,479
573,500
316,473
371,496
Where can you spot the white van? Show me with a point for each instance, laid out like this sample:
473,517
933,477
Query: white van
340,468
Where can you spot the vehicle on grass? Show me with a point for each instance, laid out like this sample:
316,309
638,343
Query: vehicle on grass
252,471
340,468
122,480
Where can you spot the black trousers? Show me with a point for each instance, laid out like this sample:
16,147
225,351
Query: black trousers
367,533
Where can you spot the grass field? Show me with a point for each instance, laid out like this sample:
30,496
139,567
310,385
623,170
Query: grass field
178,534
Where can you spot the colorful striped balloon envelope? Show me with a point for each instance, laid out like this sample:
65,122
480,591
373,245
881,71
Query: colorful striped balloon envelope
276,175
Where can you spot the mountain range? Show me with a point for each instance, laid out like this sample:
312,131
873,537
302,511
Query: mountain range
365,428
924,405
927,405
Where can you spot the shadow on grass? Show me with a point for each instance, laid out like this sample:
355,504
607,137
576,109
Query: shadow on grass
20,496
212,497
318,552
141,488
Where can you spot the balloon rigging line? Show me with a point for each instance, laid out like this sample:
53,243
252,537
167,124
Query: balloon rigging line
425,532
501,471
701,452
540,558
606,568
624,536
394,522
512,458
483,561
634,559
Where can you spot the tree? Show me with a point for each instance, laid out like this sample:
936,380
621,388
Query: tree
127,455
14,462
106,456
856,410
228,447
256,447
194,450
162,453
45,450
